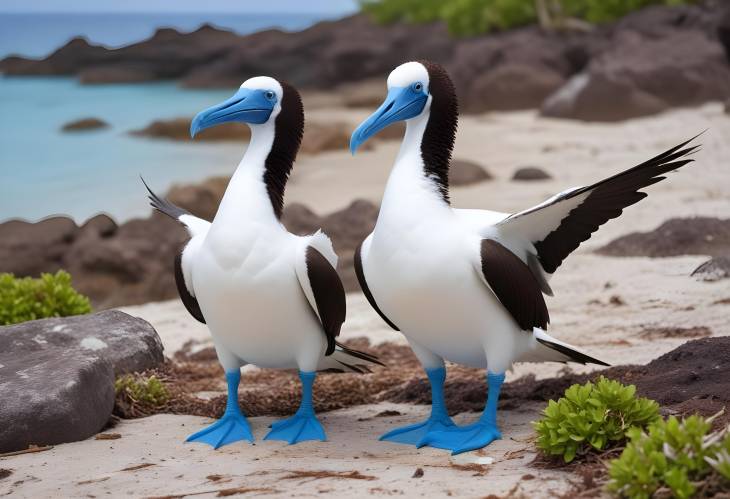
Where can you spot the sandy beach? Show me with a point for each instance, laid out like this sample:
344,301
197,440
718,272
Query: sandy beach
602,304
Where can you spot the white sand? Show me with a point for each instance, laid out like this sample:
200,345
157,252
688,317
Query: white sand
656,292
96,467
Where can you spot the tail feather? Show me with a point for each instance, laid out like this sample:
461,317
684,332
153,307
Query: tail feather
345,359
563,351
163,205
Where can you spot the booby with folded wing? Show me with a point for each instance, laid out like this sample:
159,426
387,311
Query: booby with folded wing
269,297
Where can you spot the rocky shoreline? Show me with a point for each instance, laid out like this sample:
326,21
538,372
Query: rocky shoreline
647,62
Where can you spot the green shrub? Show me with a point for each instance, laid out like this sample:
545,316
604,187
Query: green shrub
673,454
140,390
472,17
51,295
592,416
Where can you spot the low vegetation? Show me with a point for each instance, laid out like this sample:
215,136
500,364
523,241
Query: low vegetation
27,299
473,17
135,392
681,457
592,417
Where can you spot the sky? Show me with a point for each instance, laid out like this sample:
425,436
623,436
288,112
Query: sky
331,7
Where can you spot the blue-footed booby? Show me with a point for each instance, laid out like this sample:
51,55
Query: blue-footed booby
270,298
467,285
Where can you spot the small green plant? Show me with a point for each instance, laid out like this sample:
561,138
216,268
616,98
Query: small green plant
27,299
672,454
140,390
592,416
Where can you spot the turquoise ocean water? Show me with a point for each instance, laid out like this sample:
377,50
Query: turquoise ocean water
44,171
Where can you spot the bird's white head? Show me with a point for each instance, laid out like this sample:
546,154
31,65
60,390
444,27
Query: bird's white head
258,101
421,94
410,94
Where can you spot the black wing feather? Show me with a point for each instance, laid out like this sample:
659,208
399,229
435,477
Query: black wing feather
364,285
606,201
163,205
190,302
514,285
175,212
329,295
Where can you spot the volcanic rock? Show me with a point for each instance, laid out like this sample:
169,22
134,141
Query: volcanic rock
113,265
676,236
51,397
57,375
639,76
84,124
128,343
529,173
179,129
463,172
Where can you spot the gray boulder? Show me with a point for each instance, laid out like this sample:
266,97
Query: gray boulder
52,396
128,343
57,375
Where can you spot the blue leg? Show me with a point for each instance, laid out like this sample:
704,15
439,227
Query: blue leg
230,428
304,425
474,436
438,420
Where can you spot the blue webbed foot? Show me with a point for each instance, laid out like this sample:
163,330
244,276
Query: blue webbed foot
414,434
228,429
298,428
438,421
463,438
303,425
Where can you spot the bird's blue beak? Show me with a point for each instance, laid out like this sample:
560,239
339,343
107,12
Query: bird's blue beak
402,103
246,106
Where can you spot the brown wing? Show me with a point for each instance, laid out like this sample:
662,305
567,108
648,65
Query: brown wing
329,295
514,285
366,291
188,300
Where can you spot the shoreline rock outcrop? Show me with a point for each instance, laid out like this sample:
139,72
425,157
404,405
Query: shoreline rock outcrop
653,59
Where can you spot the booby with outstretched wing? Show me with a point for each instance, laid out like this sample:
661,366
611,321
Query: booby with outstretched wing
467,285
270,298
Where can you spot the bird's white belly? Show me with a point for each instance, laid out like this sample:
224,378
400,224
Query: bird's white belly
436,299
258,311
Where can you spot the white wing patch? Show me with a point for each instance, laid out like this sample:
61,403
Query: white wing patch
196,226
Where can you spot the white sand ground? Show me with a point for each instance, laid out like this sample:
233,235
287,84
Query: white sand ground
655,292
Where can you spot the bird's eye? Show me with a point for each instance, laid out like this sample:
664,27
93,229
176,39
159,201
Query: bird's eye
270,95
417,87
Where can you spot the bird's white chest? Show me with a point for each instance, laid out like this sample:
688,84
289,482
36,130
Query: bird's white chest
421,276
248,291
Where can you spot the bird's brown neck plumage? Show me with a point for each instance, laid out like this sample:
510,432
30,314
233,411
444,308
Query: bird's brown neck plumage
288,131
438,138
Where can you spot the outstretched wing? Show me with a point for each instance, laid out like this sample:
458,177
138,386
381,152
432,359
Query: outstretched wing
197,228
322,286
557,226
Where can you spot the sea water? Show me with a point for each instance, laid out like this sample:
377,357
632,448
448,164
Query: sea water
44,171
